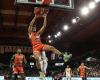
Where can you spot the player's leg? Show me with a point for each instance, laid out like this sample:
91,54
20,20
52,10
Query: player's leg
45,61
14,73
14,77
22,76
66,77
39,64
54,50
69,78
82,78
37,57
21,72
43,65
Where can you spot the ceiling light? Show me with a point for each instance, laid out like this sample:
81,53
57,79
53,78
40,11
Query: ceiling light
77,17
74,21
55,36
97,1
59,33
50,41
65,27
49,36
84,11
92,5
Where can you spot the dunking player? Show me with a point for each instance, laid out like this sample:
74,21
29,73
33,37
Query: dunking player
82,71
18,60
37,45
68,72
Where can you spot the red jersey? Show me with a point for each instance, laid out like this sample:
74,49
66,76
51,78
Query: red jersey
18,59
82,70
35,38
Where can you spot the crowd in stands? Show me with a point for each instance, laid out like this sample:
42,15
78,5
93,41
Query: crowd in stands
93,72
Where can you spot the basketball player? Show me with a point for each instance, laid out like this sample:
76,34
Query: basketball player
68,72
82,71
37,45
18,60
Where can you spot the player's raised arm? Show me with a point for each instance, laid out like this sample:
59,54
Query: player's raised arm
44,25
31,25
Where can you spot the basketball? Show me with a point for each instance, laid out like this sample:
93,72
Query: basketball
46,2
38,11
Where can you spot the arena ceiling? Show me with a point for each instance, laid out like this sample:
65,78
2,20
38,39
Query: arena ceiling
80,37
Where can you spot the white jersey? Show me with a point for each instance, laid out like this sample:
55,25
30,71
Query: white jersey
68,72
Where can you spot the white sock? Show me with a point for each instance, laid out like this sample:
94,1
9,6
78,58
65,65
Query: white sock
43,55
45,63
41,64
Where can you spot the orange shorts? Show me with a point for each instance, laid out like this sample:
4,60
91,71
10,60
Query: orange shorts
18,69
38,47
82,75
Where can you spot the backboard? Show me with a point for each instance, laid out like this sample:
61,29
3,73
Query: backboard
60,4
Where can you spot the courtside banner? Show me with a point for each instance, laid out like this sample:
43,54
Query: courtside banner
91,78
50,78
77,78
73,78
37,78
1,77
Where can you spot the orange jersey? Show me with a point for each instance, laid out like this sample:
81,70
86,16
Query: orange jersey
82,70
35,39
18,59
